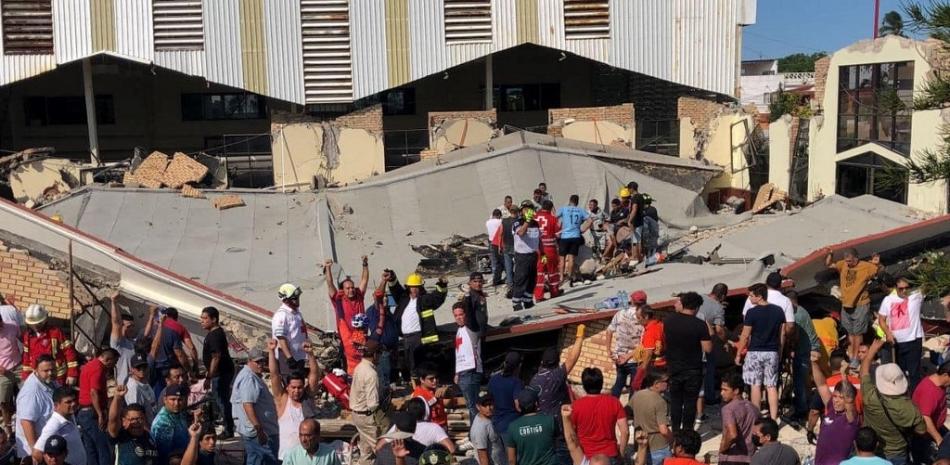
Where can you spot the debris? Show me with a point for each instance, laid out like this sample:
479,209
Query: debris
150,172
10,162
189,191
181,170
768,195
456,255
225,202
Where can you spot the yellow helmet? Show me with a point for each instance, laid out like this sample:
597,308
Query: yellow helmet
414,279
624,192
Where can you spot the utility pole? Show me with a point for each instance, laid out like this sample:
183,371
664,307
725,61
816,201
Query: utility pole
91,123
877,13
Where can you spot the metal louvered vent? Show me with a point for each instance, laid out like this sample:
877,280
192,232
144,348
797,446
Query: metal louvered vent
586,19
27,27
327,67
467,21
177,25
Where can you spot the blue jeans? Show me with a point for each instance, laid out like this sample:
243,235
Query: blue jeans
898,460
256,454
221,387
94,440
710,384
658,456
621,381
509,268
383,368
470,382
801,368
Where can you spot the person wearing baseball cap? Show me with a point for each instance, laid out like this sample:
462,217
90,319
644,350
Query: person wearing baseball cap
170,426
55,450
531,438
255,410
138,389
623,337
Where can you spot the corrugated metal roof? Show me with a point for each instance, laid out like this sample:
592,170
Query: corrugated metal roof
683,41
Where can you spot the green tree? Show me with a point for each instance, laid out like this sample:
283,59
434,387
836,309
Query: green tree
799,62
892,25
787,103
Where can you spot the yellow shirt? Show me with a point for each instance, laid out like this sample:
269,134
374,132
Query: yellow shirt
827,330
853,282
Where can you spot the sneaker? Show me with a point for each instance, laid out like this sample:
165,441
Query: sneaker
699,420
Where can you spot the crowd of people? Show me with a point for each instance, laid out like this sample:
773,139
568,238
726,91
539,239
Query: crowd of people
873,402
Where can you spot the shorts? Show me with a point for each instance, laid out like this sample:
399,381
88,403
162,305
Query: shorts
569,246
760,368
8,384
856,320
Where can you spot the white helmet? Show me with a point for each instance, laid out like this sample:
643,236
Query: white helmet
288,291
36,314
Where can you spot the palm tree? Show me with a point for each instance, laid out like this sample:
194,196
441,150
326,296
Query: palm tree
892,24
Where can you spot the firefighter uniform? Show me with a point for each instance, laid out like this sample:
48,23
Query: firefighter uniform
548,270
50,340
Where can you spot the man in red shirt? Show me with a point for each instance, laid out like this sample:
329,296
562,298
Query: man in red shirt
931,399
548,267
597,418
429,391
348,303
93,401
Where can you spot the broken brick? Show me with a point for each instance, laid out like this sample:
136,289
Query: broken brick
183,169
225,202
190,192
152,169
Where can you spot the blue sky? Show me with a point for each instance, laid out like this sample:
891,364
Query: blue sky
784,27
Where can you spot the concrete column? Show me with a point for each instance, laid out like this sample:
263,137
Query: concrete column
91,122
489,83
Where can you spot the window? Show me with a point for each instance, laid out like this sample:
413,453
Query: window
875,104
527,97
177,25
399,102
467,21
27,27
586,19
205,107
327,68
864,174
659,136
57,111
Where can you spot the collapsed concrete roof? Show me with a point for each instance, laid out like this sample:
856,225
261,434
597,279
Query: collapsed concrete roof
249,251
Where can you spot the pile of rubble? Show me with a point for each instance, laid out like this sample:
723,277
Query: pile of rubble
181,172
457,255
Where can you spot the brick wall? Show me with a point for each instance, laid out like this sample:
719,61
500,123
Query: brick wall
700,111
620,114
821,76
369,118
595,352
437,117
33,281
793,135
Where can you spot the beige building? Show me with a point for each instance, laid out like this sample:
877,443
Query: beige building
864,124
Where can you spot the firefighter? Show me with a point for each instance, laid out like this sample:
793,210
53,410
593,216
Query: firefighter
415,317
548,267
40,339
527,239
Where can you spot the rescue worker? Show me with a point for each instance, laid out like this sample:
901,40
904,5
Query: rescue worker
527,238
618,217
548,261
40,339
288,327
415,317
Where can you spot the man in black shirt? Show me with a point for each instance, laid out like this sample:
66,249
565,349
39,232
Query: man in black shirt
218,363
687,338
635,220
508,246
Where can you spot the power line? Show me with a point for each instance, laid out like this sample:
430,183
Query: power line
783,42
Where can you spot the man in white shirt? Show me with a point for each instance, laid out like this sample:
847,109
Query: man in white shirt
289,329
61,423
34,406
139,391
899,317
468,360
